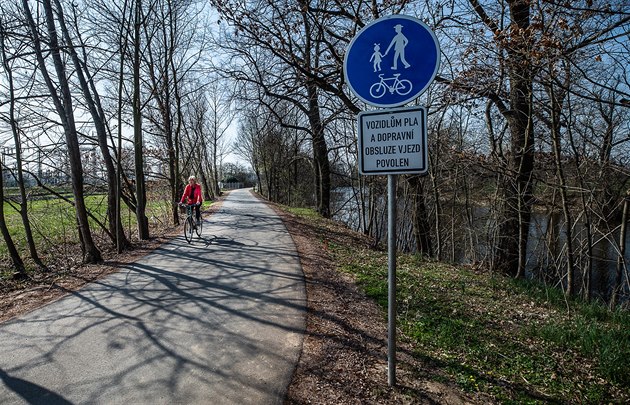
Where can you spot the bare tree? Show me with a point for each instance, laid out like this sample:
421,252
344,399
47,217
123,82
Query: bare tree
64,107
174,44
220,116
6,63
195,143
264,29
92,99
138,139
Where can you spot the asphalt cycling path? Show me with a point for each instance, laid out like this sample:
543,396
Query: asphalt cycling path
219,321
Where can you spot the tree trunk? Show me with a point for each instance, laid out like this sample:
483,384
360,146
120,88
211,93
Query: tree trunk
421,229
178,111
557,99
556,107
621,265
143,222
119,169
320,152
164,96
18,264
517,180
215,159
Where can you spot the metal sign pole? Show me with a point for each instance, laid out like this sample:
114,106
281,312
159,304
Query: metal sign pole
391,279
392,141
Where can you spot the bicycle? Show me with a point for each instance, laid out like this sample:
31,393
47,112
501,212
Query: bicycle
401,87
191,224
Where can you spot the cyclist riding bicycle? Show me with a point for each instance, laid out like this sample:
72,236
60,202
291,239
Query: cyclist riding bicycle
192,196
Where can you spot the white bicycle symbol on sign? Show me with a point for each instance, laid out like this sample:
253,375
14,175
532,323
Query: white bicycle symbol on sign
401,87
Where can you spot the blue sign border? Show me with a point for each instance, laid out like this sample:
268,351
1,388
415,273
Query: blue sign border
368,69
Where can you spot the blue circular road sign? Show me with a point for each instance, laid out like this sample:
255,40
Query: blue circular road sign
391,61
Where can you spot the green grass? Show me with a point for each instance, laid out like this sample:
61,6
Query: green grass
54,225
303,212
593,330
517,341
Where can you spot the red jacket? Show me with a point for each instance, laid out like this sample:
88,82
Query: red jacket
196,195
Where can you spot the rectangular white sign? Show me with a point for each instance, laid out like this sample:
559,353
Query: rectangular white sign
393,141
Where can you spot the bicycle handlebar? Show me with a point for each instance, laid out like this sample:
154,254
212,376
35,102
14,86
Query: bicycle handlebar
181,204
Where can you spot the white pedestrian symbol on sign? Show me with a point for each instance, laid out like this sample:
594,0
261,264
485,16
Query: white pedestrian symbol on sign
399,42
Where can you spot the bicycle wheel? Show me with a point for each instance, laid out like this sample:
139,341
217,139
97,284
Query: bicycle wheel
188,229
199,228
377,90
403,87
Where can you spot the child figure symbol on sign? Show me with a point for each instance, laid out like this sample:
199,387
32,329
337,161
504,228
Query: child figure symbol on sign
377,57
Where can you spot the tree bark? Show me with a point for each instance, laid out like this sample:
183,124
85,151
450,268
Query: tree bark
421,228
556,108
138,143
320,153
123,38
516,182
18,264
621,264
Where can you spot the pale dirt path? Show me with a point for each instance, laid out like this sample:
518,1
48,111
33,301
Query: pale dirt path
219,321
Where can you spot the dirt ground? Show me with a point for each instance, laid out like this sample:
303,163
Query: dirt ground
344,356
